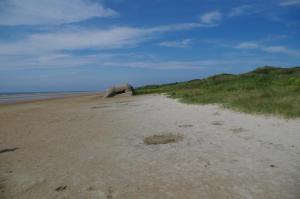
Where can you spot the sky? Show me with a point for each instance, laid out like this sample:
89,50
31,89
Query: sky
89,45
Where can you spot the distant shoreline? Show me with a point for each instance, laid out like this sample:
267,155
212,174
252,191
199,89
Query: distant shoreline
12,98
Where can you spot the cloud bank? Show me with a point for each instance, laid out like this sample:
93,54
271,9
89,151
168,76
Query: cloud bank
177,44
50,12
269,49
211,17
76,38
289,2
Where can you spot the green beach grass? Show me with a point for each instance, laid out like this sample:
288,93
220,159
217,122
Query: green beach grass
266,90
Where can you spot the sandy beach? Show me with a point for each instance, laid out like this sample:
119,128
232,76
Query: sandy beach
91,147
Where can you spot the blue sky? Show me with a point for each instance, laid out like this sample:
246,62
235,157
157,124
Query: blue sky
59,45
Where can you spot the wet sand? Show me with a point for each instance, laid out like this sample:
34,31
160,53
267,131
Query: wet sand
90,147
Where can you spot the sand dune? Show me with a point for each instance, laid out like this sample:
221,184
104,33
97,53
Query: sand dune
90,147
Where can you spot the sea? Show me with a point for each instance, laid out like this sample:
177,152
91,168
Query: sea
7,98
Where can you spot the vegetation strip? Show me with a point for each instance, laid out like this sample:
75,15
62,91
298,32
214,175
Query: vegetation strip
266,90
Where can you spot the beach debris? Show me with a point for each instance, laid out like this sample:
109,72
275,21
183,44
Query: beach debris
120,89
162,139
8,150
61,188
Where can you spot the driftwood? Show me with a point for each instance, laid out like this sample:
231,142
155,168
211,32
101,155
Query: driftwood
120,89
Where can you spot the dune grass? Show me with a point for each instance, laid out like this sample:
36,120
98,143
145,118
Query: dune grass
266,90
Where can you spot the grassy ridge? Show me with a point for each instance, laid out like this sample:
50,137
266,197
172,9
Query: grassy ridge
266,90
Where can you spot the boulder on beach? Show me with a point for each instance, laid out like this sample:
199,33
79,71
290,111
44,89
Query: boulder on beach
119,89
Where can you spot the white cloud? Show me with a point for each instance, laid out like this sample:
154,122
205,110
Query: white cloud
53,60
211,17
41,50
177,44
74,39
177,27
248,45
50,12
289,2
77,39
241,10
281,49
269,49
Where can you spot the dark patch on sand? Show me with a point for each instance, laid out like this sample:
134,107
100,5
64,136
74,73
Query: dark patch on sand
162,139
122,102
237,130
185,125
216,113
207,164
91,188
217,123
61,188
110,193
2,185
99,107
8,150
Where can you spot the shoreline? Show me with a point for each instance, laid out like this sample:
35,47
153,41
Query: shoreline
51,96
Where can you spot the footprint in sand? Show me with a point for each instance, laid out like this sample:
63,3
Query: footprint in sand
237,130
163,139
94,192
216,113
217,123
99,107
185,125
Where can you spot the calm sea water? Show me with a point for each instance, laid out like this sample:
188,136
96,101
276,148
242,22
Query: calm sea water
17,97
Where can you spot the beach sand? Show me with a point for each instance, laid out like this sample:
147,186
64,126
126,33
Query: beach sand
91,147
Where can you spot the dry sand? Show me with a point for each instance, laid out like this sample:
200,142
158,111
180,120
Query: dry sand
90,147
